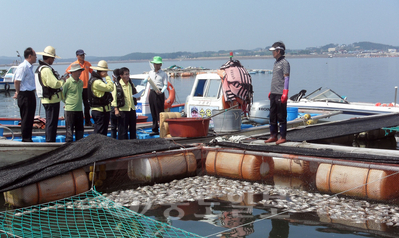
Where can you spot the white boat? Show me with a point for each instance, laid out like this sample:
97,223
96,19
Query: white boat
327,99
7,82
207,95
143,104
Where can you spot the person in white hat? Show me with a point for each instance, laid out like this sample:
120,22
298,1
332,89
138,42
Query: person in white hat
100,96
72,97
278,95
48,88
80,55
157,96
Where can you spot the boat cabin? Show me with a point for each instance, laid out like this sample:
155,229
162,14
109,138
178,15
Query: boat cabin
9,76
206,95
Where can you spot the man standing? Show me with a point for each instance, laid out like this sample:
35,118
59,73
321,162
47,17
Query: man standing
24,82
278,95
80,55
72,92
157,96
100,97
51,91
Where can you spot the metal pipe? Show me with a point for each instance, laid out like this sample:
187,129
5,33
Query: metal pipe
309,158
12,133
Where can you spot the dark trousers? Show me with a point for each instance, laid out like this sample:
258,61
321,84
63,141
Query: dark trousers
52,114
85,98
127,123
114,123
156,106
101,121
27,108
74,122
278,113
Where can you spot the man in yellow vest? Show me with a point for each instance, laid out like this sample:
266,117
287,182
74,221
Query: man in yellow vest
50,84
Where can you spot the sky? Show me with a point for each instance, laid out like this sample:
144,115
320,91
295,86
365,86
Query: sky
120,27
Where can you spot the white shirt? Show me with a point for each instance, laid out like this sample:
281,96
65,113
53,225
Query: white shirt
24,73
160,78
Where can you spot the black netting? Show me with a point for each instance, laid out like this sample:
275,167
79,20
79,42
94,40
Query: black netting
75,155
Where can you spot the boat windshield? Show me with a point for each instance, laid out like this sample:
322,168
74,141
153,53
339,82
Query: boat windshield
213,90
327,96
207,88
11,70
136,82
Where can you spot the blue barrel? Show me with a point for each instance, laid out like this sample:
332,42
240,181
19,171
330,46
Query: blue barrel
292,113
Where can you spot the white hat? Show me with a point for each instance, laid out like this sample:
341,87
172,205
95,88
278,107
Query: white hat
102,65
49,51
277,48
75,67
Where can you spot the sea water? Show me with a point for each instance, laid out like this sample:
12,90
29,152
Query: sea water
358,79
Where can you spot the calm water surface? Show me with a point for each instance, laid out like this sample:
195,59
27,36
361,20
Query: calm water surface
359,79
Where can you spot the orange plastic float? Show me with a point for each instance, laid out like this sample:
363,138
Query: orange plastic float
162,168
48,190
358,182
294,167
299,183
239,165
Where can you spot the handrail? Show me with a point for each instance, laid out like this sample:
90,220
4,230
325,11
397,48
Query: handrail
12,133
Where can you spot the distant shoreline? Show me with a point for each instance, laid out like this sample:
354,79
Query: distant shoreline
226,58
212,58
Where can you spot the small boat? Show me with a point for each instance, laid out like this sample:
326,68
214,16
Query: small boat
7,82
186,74
327,99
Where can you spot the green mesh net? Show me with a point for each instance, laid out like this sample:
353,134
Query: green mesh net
85,215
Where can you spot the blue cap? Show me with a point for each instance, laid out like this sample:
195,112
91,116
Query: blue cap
80,52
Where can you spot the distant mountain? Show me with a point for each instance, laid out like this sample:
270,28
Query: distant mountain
358,46
365,45
354,47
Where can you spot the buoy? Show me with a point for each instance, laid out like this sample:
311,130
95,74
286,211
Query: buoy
310,122
358,182
239,165
169,101
299,183
378,104
59,187
307,116
162,167
294,167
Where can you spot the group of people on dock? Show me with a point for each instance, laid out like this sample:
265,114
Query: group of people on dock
83,85
112,99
